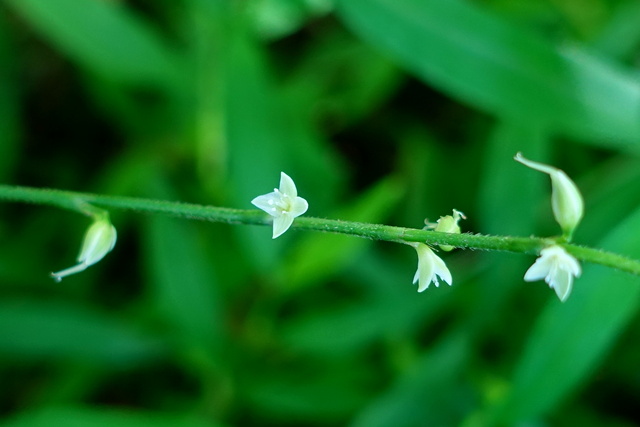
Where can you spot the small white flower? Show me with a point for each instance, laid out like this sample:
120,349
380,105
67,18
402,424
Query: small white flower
99,239
430,267
283,204
566,200
557,268
447,224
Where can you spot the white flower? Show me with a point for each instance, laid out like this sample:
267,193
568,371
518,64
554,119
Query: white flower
430,267
447,224
283,204
99,239
557,268
566,200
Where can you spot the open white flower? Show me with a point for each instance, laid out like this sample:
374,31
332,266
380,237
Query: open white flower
566,200
557,268
283,204
98,241
430,268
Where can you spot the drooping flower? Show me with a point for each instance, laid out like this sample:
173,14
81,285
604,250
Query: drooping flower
98,241
283,204
558,268
430,268
566,200
447,224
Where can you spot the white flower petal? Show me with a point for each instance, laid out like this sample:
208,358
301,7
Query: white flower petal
538,270
573,266
425,272
430,267
562,283
441,270
298,206
281,223
558,268
267,202
287,186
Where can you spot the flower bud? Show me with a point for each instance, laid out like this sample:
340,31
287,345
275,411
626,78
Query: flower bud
98,241
566,200
447,224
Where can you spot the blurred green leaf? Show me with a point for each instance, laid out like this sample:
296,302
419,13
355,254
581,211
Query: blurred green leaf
278,18
326,394
257,135
45,330
507,192
183,286
569,339
430,393
317,256
10,102
100,417
390,308
508,199
105,37
340,80
497,67
620,38
611,192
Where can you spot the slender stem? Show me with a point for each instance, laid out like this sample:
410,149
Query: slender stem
528,245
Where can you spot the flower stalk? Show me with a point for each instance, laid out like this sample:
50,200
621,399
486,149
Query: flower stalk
527,245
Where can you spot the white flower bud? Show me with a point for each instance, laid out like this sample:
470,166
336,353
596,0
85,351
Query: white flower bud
447,224
98,241
566,200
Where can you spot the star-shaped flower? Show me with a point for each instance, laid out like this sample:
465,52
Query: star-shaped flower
557,268
430,268
283,204
98,241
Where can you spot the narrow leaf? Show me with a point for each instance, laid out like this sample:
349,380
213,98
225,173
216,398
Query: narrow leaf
570,339
498,67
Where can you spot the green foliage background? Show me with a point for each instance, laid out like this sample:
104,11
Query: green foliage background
384,111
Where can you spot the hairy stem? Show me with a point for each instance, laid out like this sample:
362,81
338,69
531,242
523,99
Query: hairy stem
528,245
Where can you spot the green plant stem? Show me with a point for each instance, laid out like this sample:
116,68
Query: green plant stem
528,245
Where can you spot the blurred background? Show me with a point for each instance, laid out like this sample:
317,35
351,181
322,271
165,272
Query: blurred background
384,111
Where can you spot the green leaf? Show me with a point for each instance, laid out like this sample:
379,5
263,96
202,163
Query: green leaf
256,133
498,67
318,256
183,285
621,35
103,36
326,393
429,393
9,102
570,339
391,307
88,417
278,18
508,196
44,330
